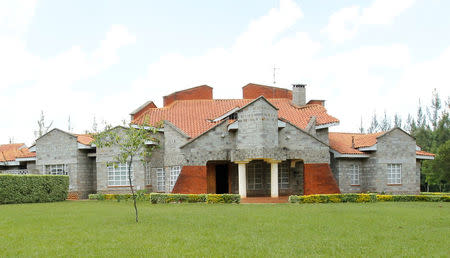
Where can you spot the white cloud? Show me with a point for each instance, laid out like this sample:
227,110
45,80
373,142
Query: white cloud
346,22
354,82
16,15
46,84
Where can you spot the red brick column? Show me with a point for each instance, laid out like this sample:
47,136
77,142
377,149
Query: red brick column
318,179
192,180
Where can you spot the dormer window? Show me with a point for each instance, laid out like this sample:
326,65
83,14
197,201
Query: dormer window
233,116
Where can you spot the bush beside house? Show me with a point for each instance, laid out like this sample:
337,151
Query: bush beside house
33,188
156,198
363,198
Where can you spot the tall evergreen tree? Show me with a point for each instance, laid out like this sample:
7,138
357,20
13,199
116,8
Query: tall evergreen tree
397,121
374,126
433,112
385,123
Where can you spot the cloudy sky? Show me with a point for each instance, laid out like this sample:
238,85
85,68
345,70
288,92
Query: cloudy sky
103,59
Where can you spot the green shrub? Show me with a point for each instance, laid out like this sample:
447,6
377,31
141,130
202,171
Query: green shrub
156,198
33,188
362,198
223,198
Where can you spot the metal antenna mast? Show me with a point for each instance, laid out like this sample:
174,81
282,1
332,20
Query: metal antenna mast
274,74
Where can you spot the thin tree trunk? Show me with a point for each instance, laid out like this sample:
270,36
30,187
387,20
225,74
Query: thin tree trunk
131,187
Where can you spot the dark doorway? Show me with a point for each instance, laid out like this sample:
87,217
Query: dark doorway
222,179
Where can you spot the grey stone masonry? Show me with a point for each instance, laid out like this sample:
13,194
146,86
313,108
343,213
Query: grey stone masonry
143,172
60,148
395,148
258,126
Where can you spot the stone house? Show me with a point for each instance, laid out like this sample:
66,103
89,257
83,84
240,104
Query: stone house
271,142
17,159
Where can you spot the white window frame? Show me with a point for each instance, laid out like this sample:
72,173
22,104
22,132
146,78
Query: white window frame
394,174
355,175
118,174
160,180
283,176
148,177
57,169
174,173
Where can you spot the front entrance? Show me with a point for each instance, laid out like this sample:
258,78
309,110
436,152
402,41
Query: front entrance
222,185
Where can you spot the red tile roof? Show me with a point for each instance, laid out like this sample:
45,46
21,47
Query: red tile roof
85,139
348,143
9,152
424,153
194,116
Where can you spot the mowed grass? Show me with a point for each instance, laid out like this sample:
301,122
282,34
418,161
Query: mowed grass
107,229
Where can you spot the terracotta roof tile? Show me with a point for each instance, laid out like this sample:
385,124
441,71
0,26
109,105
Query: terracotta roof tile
9,152
348,143
424,153
342,142
194,116
85,139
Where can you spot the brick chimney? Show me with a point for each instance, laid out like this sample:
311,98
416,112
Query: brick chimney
299,94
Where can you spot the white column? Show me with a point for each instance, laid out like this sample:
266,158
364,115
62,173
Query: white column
274,179
242,180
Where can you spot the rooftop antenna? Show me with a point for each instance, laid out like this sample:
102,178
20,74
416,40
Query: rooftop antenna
274,74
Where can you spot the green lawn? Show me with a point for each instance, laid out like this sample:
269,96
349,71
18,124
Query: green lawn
91,228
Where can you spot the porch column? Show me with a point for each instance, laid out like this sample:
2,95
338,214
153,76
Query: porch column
274,178
242,179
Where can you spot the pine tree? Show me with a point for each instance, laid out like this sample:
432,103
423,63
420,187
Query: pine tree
397,121
374,126
385,123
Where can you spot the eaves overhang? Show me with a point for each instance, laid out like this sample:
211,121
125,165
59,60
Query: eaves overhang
353,156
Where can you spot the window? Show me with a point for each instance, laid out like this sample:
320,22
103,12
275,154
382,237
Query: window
255,175
160,180
58,169
354,174
394,174
283,176
148,178
174,173
118,175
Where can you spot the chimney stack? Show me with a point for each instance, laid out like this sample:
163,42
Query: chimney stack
299,94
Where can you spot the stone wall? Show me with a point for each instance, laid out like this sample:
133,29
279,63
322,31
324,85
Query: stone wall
107,155
215,144
55,148
342,170
396,147
258,126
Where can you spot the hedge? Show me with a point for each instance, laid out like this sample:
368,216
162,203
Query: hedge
364,198
33,188
156,198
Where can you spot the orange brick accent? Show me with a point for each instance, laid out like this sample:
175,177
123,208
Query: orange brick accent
318,179
316,102
149,106
200,92
73,196
192,180
253,91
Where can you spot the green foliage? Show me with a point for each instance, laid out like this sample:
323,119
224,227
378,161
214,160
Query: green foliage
131,142
33,188
156,198
365,198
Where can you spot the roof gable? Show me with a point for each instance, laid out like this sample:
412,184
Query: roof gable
10,152
195,116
